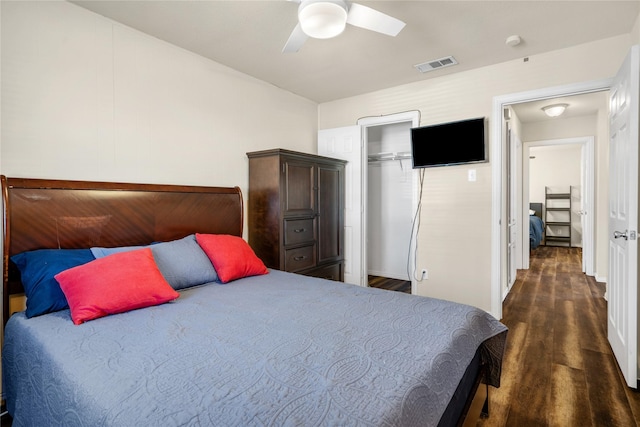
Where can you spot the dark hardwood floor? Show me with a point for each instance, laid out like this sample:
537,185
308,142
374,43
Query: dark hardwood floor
559,369
390,284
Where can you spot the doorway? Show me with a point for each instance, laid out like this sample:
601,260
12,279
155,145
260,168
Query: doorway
562,167
351,143
554,183
388,200
555,166
498,228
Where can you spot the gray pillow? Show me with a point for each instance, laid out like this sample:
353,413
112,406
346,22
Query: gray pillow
99,252
183,263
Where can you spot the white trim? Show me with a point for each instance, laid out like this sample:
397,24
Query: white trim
408,116
526,197
497,199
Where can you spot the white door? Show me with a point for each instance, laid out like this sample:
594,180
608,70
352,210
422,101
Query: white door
346,143
623,217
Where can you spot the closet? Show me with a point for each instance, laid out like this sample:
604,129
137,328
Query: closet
389,191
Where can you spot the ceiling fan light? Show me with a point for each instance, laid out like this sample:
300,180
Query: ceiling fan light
554,110
323,19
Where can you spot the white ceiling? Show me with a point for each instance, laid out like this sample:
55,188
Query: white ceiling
249,35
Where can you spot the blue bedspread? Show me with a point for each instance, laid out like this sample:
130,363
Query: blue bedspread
277,350
536,227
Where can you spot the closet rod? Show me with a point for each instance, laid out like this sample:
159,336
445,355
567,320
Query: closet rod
381,157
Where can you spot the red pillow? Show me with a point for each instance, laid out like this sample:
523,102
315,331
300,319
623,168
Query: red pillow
231,256
114,284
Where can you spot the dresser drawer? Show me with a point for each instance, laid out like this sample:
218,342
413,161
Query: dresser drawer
298,231
299,258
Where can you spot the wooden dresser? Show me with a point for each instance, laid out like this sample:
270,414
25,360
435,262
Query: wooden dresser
296,212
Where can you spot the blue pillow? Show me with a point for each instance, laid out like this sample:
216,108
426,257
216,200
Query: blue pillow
37,271
183,263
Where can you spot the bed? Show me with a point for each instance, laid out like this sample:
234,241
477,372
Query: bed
264,348
536,225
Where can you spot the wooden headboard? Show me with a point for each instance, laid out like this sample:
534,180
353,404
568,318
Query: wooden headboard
54,214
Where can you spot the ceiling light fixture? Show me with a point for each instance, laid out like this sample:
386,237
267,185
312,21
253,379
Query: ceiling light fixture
323,19
554,110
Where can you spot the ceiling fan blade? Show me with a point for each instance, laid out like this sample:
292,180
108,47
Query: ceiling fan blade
295,41
370,19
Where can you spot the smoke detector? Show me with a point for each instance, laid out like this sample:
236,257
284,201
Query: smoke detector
514,40
436,64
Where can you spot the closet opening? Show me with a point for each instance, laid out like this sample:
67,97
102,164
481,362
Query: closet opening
377,136
388,200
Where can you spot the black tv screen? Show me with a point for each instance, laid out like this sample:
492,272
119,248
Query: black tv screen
448,144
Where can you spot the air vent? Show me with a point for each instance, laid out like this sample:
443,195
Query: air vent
436,64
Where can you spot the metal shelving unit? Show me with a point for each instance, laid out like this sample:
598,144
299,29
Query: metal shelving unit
557,218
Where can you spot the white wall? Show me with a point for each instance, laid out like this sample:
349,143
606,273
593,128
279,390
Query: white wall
85,98
454,242
557,168
389,198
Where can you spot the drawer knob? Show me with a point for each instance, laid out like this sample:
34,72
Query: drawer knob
299,258
299,230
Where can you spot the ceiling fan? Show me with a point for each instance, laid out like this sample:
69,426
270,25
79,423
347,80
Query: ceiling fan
324,19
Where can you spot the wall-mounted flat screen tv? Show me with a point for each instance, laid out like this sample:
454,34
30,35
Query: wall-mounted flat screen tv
448,144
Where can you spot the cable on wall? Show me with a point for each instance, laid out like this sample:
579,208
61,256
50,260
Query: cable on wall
415,226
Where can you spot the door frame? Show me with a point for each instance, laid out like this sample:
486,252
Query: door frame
587,181
513,148
412,117
498,208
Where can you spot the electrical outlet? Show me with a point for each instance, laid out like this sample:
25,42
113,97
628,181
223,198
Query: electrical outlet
425,274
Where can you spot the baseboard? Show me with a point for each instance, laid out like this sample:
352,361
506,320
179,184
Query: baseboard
505,293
